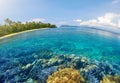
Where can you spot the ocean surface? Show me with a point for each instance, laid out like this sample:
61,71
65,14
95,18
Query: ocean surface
31,57
79,41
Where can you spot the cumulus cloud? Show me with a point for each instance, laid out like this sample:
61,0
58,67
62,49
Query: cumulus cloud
37,20
108,20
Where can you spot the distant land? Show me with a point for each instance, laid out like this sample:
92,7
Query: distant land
69,26
108,29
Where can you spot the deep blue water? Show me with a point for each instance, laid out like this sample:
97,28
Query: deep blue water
80,41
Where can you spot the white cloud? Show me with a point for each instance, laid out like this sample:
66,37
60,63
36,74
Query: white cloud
77,20
37,20
108,20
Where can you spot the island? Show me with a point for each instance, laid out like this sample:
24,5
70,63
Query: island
11,27
69,26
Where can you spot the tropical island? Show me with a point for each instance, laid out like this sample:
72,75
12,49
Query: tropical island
85,48
11,27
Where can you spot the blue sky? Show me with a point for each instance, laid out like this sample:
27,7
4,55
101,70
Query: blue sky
56,11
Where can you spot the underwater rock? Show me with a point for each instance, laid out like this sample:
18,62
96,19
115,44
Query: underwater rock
27,66
43,75
92,79
10,64
39,73
116,68
79,62
65,61
107,68
67,75
35,71
88,73
17,74
36,68
13,75
53,61
30,80
110,79
95,71
27,59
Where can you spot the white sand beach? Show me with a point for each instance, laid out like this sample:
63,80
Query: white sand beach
20,33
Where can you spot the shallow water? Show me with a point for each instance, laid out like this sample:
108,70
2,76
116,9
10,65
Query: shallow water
80,41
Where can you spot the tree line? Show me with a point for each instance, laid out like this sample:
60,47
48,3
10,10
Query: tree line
13,27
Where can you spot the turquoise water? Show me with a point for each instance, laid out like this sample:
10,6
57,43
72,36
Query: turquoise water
80,41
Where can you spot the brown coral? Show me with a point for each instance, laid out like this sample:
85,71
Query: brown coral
67,75
111,79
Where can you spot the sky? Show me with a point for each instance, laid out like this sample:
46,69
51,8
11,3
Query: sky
63,12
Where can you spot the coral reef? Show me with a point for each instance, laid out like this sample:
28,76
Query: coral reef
110,79
63,61
30,80
95,71
37,68
67,75
27,73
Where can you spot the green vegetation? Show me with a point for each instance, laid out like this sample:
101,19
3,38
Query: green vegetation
12,27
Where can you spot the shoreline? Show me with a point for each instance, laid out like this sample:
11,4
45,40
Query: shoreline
9,35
